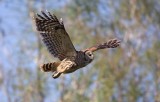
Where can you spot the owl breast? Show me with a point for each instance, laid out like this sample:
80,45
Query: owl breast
81,60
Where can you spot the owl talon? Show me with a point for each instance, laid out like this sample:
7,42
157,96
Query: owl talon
56,75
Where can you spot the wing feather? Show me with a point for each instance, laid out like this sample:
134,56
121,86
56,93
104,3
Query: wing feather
54,36
112,43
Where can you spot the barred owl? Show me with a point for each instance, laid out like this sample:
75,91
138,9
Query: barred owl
59,44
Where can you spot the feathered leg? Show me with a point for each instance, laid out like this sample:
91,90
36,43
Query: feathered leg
64,66
56,74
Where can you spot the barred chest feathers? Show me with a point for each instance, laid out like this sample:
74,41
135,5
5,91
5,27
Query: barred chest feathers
83,58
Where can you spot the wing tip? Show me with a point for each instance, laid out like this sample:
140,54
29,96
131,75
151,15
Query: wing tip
46,15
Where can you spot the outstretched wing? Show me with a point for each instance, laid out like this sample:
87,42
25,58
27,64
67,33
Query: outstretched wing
54,36
113,43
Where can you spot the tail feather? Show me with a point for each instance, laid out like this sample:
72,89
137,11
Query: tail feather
50,67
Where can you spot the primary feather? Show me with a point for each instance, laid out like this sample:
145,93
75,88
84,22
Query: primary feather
54,36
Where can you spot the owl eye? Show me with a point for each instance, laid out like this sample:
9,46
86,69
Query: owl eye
90,54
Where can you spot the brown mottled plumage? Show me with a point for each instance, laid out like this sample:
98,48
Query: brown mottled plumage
59,45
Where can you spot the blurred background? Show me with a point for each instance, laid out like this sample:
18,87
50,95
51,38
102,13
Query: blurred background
129,73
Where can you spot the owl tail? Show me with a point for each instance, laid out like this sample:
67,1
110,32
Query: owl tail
50,67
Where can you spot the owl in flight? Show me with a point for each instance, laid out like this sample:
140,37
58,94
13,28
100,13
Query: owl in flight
59,44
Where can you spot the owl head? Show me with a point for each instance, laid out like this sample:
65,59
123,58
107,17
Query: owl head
88,56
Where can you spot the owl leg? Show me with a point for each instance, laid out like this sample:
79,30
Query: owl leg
56,75
64,66
49,67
